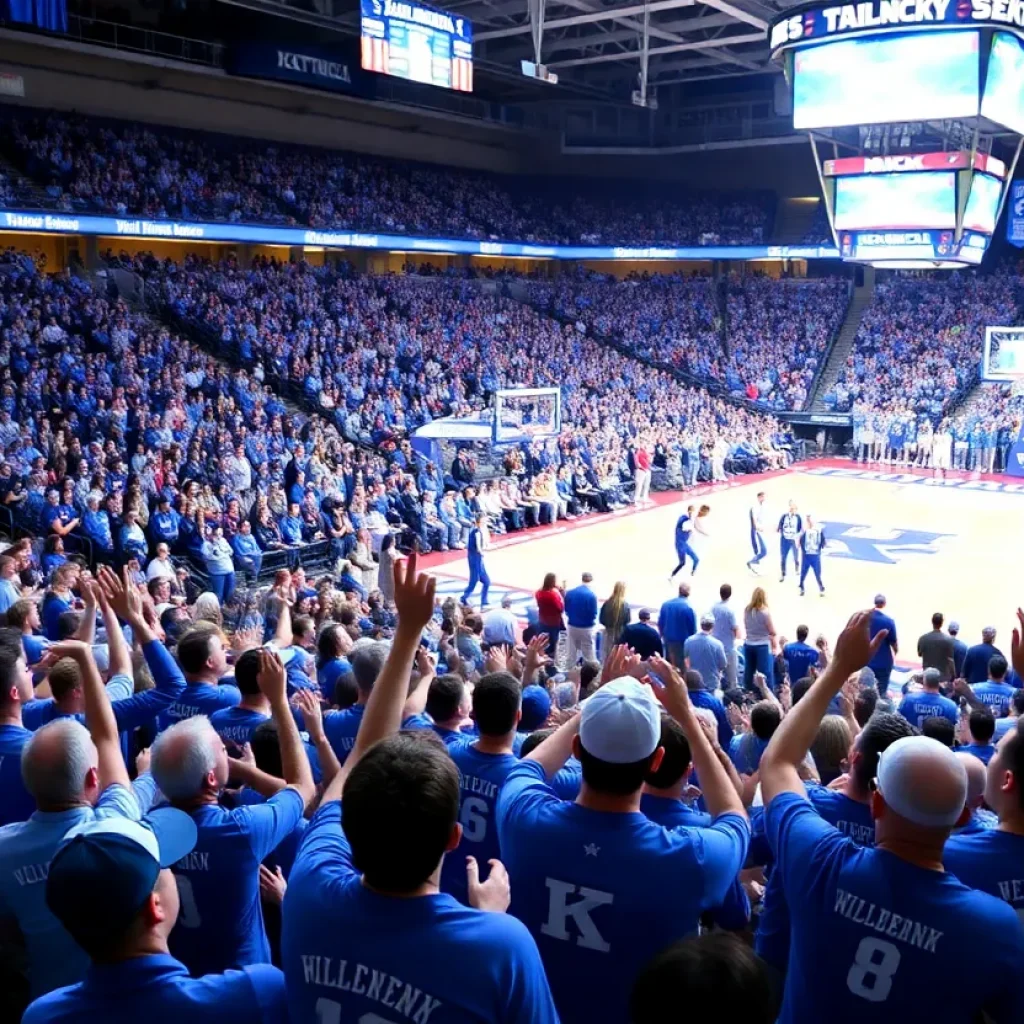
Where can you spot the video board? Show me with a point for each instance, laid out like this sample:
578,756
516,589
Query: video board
417,43
896,201
1003,99
893,78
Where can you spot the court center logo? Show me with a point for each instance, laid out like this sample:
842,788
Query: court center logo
877,544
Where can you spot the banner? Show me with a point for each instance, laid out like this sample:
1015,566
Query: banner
317,67
1015,215
135,227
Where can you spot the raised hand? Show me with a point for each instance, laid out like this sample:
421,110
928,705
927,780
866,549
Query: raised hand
672,693
855,646
495,894
495,660
622,661
272,677
424,665
272,884
414,595
535,657
120,593
308,702
1016,646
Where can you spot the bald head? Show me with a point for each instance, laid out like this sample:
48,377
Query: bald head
58,765
975,778
923,783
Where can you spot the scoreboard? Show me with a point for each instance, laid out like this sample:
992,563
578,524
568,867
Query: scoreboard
417,43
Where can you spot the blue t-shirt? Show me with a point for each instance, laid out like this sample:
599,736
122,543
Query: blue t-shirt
340,728
745,752
220,924
158,989
996,695
237,724
989,860
883,657
676,620
581,607
16,803
891,930
916,707
199,699
800,659
602,893
852,819
26,849
387,959
481,777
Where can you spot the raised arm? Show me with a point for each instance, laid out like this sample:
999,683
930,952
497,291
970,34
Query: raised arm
99,716
117,647
416,702
272,680
414,599
720,794
86,631
793,738
313,717
283,634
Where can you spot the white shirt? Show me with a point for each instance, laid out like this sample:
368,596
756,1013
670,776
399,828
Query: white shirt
160,568
757,517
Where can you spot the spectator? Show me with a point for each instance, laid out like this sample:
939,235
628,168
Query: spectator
110,886
981,727
759,645
641,637
696,972
920,797
800,657
929,702
203,661
995,691
581,615
677,623
75,775
976,661
936,650
550,606
615,617
617,742
500,624
882,660
706,655
376,874
959,650
221,925
726,632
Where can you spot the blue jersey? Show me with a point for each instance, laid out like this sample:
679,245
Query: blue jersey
734,913
199,699
391,959
474,546
916,707
602,893
16,803
158,989
237,724
26,849
800,658
340,728
888,926
852,819
995,695
989,860
481,777
220,925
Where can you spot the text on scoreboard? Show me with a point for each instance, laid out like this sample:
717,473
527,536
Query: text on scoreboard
418,43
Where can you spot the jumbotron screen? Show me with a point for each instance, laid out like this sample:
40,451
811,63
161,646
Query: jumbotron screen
896,78
896,201
418,43
1003,100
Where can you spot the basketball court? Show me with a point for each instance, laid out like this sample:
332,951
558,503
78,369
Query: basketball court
951,546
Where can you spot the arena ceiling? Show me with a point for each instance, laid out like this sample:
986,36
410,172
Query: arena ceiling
610,45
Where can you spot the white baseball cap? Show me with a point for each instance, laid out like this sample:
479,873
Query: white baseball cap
621,723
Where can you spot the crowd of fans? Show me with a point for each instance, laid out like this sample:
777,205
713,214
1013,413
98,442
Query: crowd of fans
126,168
315,812
765,345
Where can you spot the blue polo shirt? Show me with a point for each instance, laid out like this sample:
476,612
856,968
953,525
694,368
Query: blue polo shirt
916,707
676,621
883,658
581,607
158,989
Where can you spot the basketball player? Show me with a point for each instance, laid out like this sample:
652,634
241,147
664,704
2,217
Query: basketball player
479,541
684,531
790,526
757,541
942,450
812,540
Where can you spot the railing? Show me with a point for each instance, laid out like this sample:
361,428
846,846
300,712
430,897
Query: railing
144,40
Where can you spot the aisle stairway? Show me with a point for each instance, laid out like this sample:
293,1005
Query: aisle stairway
862,297
27,195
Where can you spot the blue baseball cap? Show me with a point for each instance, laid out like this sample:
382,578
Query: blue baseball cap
104,871
536,708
